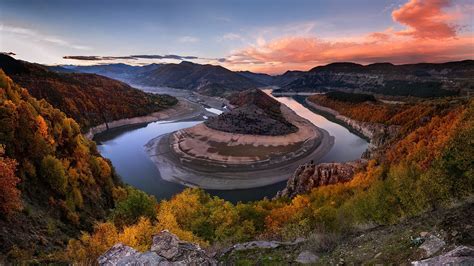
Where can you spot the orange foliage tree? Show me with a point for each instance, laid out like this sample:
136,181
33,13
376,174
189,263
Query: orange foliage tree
10,196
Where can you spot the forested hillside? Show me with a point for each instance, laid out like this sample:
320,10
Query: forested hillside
53,182
88,98
429,166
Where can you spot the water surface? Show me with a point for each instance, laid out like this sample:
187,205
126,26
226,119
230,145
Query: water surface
125,148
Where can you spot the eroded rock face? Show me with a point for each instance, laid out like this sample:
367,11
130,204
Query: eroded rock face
167,249
309,176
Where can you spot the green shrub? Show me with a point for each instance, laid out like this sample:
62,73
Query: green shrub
135,205
53,171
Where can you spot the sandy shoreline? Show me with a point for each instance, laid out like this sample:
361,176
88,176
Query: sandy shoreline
230,174
172,170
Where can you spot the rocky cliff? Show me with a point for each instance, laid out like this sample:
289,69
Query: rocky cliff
167,249
310,175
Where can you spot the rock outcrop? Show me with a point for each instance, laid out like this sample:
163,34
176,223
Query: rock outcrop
261,244
461,255
167,249
431,245
310,175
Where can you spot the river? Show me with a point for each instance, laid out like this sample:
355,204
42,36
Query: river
125,148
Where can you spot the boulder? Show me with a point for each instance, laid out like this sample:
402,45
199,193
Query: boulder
167,249
432,245
307,257
461,255
169,246
116,254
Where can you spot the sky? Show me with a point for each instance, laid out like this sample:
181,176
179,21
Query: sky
269,36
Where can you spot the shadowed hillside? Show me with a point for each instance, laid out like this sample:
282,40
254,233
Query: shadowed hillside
53,182
418,80
88,98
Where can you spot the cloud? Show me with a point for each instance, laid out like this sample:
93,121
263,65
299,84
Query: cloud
188,39
231,37
430,36
426,19
136,57
37,36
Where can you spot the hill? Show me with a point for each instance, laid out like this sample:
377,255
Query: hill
88,98
53,182
122,72
418,80
256,113
206,79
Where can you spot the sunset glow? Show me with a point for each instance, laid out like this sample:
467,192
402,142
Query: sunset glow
264,40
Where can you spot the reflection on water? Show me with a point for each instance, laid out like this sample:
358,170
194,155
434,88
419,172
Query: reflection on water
125,148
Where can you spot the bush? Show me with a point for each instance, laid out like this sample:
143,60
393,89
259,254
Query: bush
10,196
52,170
135,205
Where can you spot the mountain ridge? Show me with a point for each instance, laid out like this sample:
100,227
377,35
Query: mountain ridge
418,80
90,99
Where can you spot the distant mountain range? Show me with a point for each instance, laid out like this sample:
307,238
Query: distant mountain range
419,80
206,79
88,98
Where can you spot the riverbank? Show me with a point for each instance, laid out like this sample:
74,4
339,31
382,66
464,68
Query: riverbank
211,159
183,110
376,133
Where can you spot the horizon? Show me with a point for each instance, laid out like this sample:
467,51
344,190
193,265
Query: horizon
289,70
263,37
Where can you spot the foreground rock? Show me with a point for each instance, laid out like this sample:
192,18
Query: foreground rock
307,257
167,249
310,175
261,244
431,245
461,255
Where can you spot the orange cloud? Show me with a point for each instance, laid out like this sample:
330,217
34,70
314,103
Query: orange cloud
429,37
426,19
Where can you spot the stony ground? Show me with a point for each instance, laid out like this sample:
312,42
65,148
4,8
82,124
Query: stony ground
400,244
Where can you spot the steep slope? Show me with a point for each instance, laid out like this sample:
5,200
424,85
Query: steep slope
89,99
419,80
64,184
